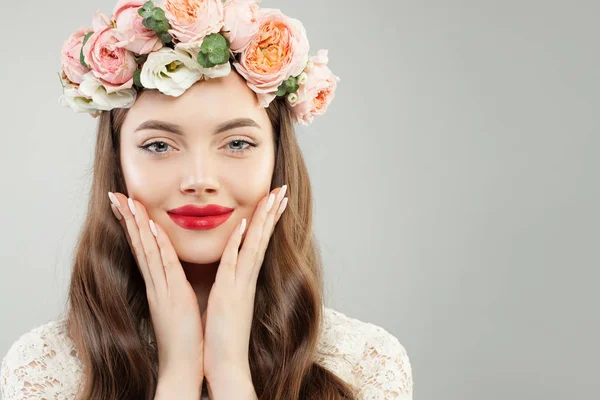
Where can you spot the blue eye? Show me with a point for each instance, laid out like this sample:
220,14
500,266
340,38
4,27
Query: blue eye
237,143
235,146
149,145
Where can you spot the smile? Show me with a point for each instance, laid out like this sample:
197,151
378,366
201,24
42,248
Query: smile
200,223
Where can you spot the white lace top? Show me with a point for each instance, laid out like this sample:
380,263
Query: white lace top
43,364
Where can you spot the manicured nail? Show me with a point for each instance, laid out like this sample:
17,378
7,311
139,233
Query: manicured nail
282,206
243,226
114,200
270,202
115,211
131,205
281,193
153,228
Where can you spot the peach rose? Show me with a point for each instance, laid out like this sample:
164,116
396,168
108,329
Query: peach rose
317,91
69,56
133,35
279,50
113,66
192,20
241,22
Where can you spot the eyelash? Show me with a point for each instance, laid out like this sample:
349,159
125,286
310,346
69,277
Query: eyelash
145,148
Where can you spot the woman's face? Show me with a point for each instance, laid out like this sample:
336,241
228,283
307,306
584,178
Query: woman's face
224,155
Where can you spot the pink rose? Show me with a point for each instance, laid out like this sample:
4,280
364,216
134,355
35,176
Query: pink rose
241,22
317,92
133,35
192,20
113,66
279,50
69,56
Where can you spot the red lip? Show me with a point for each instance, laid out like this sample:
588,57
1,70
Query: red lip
191,210
200,218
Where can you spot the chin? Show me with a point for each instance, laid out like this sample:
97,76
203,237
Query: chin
201,251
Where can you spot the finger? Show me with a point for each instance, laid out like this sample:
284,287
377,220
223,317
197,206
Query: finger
270,225
151,250
119,217
280,211
175,275
120,201
249,252
268,232
270,220
229,259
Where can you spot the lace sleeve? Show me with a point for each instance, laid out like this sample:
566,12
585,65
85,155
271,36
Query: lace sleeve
39,365
384,371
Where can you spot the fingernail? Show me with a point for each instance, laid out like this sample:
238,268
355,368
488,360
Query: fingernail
131,205
270,202
114,200
281,192
153,228
115,211
282,206
243,226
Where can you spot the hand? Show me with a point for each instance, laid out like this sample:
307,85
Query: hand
173,304
228,317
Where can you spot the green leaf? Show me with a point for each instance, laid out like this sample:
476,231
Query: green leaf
214,50
204,61
141,59
146,9
148,6
162,25
281,90
144,13
136,78
150,23
218,56
165,37
291,84
214,41
81,57
159,13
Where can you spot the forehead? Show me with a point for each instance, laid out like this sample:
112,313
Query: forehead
206,104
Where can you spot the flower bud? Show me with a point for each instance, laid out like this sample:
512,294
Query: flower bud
302,78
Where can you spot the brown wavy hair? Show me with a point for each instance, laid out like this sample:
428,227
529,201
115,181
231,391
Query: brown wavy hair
108,314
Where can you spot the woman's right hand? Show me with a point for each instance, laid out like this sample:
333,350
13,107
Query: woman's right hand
172,301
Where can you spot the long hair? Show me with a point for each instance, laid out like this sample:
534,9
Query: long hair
108,315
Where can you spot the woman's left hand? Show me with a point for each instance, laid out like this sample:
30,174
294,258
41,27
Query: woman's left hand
228,317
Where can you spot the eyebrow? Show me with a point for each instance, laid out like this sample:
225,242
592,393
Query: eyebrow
176,129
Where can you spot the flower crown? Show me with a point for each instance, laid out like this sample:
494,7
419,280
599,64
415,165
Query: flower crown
171,47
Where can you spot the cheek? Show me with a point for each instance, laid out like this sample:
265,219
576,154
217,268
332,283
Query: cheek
146,181
248,182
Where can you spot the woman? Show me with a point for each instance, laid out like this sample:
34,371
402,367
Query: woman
204,280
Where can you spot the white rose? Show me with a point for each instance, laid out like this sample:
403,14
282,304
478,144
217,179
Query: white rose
217,71
170,71
78,102
92,88
192,49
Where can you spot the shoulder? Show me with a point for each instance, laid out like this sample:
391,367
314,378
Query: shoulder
366,355
41,363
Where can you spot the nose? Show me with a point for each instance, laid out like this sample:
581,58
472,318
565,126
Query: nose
201,178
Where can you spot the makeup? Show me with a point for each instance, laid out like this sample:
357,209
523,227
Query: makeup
200,217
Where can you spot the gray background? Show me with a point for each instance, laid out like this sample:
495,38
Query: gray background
455,176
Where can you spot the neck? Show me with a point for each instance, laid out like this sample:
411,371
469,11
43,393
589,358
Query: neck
201,277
